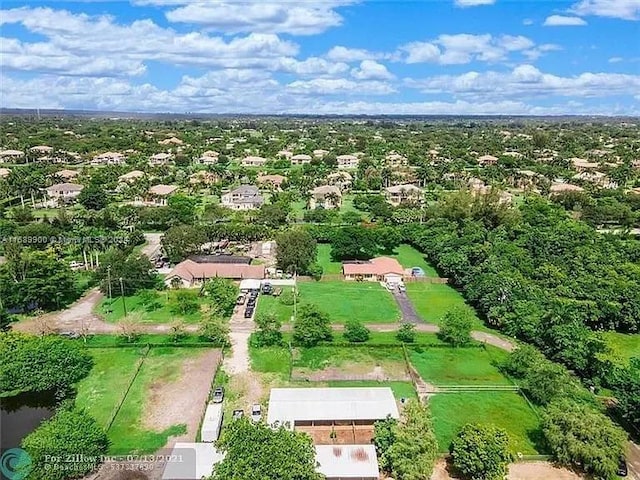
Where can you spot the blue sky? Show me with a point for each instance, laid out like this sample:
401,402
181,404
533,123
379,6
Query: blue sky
323,56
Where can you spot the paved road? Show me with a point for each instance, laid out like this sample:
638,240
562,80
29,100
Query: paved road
633,461
152,245
409,313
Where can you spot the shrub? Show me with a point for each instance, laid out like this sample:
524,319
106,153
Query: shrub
455,328
406,333
355,332
287,297
312,327
481,452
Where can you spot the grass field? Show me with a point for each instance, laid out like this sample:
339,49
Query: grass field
433,300
410,257
459,366
507,410
135,308
105,387
317,358
128,434
624,346
270,360
342,301
329,267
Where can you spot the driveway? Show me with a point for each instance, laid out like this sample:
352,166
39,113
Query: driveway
152,246
409,314
633,461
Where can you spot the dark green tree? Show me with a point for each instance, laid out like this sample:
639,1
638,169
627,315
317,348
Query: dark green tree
455,327
355,331
311,327
481,452
93,197
296,251
181,241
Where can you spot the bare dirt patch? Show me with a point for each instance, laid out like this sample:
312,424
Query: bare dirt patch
517,471
182,401
384,371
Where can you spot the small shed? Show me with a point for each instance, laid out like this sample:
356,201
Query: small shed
211,423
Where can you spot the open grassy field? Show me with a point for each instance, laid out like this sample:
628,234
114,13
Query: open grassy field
107,383
329,267
162,314
271,360
409,257
507,410
129,433
433,300
624,346
459,366
133,430
342,301
349,358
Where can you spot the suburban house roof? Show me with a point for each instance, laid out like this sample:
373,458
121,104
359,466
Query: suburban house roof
131,175
65,187
210,153
325,191
41,148
565,187
189,270
274,179
248,193
375,266
309,404
346,158
161,156
11,153
162,190
67,173
340,176
106,155
301,157
254,159
4,172
406,188
347,461
168,141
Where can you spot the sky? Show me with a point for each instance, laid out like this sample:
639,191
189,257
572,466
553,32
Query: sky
455,57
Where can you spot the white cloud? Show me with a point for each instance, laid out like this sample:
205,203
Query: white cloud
526,81
473,3
563,21
624,9
348,55
297,18
335,86
371,70
527,22
616,59
464,48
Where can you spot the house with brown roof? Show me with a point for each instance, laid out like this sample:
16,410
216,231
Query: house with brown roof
62,193
274,181
190,274
394,160
130,177
209,157
399,194
158,195
379,269
171,141
66,174
559,187
326,196
41,149
485,160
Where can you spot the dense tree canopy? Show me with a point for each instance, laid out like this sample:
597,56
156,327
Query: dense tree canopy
311,326
481,452
296,251
255,451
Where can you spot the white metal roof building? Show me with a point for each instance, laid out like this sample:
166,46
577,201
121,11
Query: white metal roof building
211,423
352,462
191,461
305,405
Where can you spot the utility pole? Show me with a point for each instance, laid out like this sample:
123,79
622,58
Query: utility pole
124,303
295,297
109,282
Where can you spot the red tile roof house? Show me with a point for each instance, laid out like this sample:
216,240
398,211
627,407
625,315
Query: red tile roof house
189,274
380,269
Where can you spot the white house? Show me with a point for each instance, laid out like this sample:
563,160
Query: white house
63,193
245,197
346,162
399,194
300,159
108,158
158,195
253,161
9,155
160,159
326,196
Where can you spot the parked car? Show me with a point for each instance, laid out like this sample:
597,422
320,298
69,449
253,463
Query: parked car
238,414
256,412
402,288
623,470
267,288
248,313
240,300
277,292
218,395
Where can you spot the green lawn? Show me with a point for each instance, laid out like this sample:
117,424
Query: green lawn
318,358
433,300
270,360
128,434
400,389
342,301
105,386
409,257
507,410
459,366
162,314
329,267
623,346
367,302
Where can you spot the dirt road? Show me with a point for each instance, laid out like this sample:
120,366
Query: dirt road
538,470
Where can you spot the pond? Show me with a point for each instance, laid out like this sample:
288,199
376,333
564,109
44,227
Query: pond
22,414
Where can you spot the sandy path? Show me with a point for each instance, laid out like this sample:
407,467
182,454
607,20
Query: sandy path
518,471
